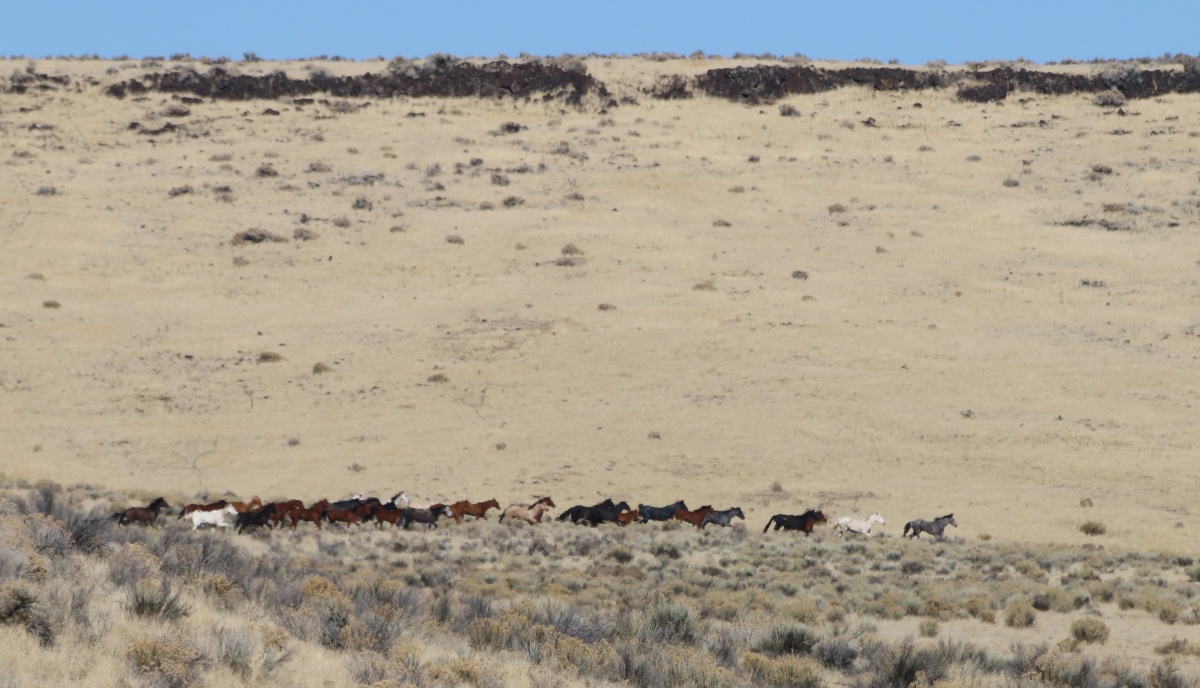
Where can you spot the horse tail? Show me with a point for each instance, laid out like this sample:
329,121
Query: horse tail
769,522
118,517
908,526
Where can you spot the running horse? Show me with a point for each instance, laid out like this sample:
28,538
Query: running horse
802,522
312,514
659,513
846,524
722,518
243,507
531,515
212,506
694,517
474,509
936,527
141,514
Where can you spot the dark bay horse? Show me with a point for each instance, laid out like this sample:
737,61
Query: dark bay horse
936,527
141,514
660,513
804,522
722,518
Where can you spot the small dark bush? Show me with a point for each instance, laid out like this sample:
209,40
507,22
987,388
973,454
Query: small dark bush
789,639
156,602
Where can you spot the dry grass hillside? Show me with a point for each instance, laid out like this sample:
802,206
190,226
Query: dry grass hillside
865,300
886,301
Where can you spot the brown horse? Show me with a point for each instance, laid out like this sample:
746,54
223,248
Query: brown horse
312,514
282,509
349,516
694,517
628,517
474,509
387,513
141,514
243,507
531,515
212,506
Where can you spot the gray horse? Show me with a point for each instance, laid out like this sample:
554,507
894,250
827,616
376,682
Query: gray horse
722,518
936,527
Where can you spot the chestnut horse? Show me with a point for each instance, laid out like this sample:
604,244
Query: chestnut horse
387,513
628,517
475,509
212,506
694,517
312,514
141,514
243,507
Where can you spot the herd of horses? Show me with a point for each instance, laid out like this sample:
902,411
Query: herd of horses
398,511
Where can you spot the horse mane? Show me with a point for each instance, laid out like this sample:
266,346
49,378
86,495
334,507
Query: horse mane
946,516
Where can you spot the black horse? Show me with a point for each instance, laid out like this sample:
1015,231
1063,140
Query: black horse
659,513
604,513
722,518
803,522
577,512
936,527
255,519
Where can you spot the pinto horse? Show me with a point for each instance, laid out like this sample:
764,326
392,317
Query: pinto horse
660,513
474,509
312,514
936,527
803,522
694,517
722,518
141,514
212,506
531,515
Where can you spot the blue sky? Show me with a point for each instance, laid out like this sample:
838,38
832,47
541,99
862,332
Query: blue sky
912,31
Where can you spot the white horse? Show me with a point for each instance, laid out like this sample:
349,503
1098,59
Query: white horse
846,523
215,519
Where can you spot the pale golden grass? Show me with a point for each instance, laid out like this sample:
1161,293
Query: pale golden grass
957,345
